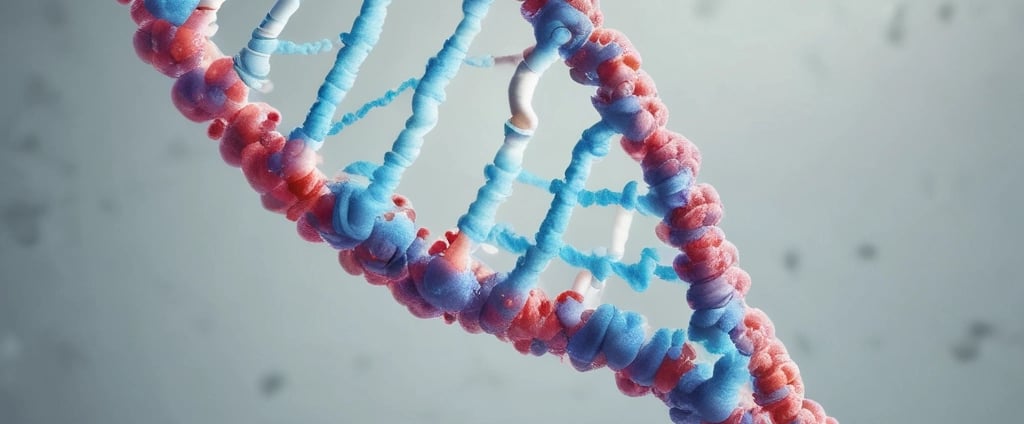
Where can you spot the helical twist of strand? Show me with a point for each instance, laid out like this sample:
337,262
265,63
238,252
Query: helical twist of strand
174,37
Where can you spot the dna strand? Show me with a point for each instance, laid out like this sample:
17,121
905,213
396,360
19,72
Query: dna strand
749,377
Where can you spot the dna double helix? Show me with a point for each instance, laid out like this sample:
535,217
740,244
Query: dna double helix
727,366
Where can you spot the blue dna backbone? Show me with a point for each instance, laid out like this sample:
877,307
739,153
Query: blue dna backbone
751,378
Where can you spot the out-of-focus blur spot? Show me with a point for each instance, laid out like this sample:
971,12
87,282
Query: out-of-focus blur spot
29,144
23,221
178,150
791,260
896,31
706,8
271,383
867,251
968,348
108,205
965,351
10,356
40,92
362,362
980,329
946,12
803,343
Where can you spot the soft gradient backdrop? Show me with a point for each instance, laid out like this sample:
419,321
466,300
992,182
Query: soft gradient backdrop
868,154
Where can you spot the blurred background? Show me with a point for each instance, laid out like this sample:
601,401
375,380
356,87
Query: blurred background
867,153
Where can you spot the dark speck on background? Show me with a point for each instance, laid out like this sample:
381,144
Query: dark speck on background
980,329
705,8
39,91
55,14
897,31
946,12
965,351
68,356
29,144
271,383
803,343
107,205
362,362
867,251
177,150
791,260
815,64
23,221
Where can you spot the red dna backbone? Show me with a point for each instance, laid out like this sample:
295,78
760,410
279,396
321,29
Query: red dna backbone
746,375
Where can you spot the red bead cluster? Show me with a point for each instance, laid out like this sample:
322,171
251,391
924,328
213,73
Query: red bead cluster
285,174
706,256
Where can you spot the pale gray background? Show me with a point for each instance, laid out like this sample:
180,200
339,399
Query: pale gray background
868,154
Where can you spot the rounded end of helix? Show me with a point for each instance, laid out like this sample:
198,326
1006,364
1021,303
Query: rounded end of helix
710,393
560,30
